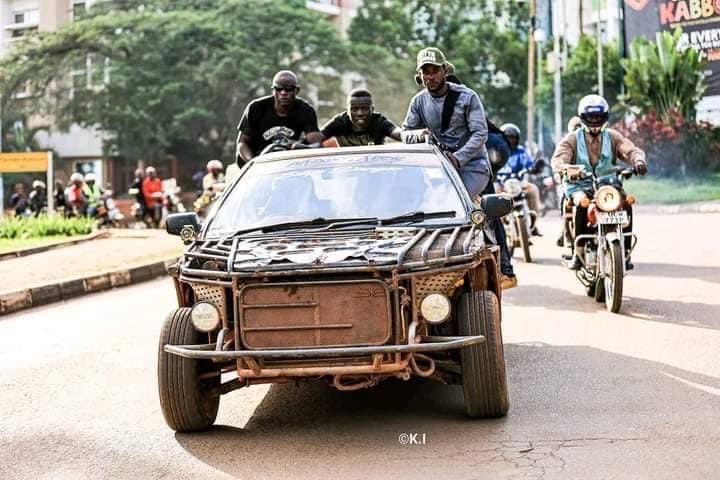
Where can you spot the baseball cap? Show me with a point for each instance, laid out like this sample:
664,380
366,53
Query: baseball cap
430,56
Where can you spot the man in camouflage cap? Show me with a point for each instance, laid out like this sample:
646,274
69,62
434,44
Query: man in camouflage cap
464,131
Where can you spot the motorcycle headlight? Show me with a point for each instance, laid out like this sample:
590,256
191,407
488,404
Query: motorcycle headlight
205,317
512,186
608,198
435,308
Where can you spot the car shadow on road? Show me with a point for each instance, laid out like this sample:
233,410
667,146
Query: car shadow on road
559,394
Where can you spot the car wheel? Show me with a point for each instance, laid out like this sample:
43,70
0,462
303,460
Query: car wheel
483,365
189,392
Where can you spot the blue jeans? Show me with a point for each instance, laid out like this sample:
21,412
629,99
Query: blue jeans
506,267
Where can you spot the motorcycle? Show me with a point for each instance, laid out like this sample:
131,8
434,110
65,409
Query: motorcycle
204,202
522,221
281,138
548,185
171,199
108,215
603,259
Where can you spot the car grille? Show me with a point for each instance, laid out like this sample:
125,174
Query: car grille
294,315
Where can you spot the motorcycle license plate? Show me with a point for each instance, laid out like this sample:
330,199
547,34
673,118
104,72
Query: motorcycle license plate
612,218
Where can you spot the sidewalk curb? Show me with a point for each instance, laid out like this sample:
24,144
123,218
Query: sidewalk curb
712,206
29,251
12,302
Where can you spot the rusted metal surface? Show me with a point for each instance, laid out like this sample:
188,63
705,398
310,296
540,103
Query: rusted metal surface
428,344
324,370
294,315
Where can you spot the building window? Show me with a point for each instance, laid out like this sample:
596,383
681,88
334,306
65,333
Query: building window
19,17
91,72
79,9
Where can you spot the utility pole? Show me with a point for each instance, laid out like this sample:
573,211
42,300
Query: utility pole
559,65
580,18
2,190
531,77
599,51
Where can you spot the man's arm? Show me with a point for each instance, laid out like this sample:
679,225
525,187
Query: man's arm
310,125
477,124
329,130
414,129
389,129
628,152
243,152
564,152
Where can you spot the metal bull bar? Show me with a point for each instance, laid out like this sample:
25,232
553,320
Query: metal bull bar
427,344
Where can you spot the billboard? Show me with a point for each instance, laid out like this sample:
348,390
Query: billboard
698,19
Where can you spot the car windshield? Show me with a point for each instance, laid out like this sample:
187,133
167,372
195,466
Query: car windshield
347,186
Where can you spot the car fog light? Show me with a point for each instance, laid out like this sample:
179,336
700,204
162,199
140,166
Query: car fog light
205,317
435,308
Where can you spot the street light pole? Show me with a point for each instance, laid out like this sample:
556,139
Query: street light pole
560,15
531,77
601,90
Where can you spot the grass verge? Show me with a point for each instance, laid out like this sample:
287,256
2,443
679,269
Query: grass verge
12,244
664,191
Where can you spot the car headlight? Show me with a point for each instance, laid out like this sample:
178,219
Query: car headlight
205,317
512,186
435,308
608,198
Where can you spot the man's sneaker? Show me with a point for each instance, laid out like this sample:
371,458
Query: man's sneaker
560,242
629,265
508,281
536,233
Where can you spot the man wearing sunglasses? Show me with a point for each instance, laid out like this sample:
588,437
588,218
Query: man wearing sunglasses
281,109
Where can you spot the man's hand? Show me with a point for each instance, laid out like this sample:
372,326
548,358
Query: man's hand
414,136
454,160
641,168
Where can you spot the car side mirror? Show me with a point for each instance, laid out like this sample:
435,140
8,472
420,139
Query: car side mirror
496,206
186,225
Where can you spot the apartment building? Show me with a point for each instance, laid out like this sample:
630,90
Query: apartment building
79,150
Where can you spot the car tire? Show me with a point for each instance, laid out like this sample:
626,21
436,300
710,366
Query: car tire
483,365
188,403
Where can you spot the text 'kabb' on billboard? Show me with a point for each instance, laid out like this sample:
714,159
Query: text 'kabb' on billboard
698,19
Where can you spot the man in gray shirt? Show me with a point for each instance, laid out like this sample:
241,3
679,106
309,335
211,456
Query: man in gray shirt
464,129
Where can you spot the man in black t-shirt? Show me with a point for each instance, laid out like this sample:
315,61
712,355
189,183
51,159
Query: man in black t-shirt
359,125
281,109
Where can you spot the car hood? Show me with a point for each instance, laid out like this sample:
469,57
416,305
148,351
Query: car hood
368,247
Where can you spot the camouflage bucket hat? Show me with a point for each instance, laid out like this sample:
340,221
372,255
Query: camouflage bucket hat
430,56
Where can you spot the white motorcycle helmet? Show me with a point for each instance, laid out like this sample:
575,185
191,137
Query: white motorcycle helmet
90,177
76,177
214,165
594,113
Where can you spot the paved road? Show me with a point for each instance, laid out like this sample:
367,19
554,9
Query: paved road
593,395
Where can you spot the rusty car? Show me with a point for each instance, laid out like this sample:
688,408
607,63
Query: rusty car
345,265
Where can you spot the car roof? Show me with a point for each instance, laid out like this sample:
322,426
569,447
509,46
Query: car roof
325,152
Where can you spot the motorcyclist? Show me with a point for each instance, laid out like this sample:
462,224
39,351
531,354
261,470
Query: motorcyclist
93,195
214,177
282,108
19,200
38,197
359,125
152,192
597,148
136,188
74,197
519,160
464,132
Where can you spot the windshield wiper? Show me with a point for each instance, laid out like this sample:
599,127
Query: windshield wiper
416,217
326,223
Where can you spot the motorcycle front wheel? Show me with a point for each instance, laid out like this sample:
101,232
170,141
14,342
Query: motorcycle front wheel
613,277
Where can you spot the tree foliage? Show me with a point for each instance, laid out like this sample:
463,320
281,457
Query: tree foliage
664,76
579,78
485,40
180,72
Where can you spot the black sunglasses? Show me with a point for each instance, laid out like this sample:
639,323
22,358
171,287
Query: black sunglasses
284,88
